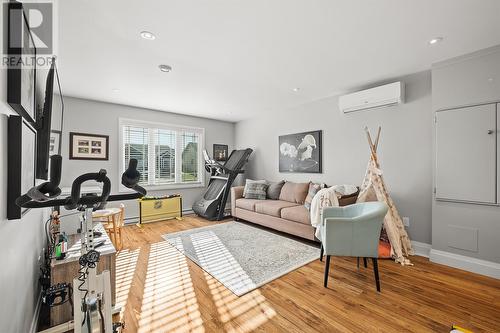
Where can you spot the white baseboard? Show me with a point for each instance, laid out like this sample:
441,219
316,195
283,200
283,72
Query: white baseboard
474,265
34,321
470,264
421,249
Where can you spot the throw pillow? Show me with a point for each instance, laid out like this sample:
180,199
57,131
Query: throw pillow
274,190
294,192
313,189
250,181
256,191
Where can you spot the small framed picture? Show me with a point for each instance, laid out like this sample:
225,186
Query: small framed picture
55,143
220,152
84,146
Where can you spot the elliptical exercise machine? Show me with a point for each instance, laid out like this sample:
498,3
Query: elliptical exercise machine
92,292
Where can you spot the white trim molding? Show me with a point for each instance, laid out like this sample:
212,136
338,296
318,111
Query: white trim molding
36,315
421,249
474,265
470,264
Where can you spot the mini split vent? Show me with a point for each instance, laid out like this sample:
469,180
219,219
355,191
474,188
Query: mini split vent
386,95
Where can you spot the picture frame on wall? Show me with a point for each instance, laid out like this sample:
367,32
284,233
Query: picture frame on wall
21,76
21,164
85,146
301,152
220,152
55,143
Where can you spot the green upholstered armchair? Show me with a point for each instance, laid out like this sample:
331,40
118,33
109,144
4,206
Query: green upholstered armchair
352,231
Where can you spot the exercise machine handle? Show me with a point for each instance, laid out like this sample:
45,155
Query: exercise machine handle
76,200
131,177
47,190
44,195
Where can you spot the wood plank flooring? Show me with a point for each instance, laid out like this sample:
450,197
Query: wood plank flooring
163,291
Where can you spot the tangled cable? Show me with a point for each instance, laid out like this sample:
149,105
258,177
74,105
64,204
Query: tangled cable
86,261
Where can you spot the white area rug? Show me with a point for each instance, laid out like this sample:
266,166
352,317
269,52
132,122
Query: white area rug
240,256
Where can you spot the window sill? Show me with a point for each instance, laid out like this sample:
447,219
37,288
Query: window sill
153,188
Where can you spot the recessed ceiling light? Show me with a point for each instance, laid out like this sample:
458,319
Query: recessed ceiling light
295,89
116,90
165,68
147,35
435,40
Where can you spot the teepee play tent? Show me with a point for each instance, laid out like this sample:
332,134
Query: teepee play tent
373,188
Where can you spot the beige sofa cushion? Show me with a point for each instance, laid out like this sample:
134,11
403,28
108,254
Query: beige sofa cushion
272,207
248,204
298,214
294,192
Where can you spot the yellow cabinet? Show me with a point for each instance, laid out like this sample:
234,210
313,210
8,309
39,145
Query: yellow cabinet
159,209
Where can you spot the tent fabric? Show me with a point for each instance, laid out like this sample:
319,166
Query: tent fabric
373,188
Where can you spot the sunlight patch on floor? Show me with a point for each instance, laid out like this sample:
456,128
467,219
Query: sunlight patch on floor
126,262
217,259
239,314
169,303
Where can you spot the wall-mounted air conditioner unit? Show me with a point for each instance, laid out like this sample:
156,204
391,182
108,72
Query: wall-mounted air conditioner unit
386,95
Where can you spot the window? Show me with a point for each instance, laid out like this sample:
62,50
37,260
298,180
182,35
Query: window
168,156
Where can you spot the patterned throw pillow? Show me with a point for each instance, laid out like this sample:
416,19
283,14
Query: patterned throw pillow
255,191
250,181
313,189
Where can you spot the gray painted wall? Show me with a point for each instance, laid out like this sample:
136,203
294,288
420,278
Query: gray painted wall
22,240
467,229
102,118
405,148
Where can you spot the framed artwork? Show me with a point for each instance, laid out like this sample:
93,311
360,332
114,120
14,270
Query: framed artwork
220,152
21,163
55,143
84,146
21,76
301,152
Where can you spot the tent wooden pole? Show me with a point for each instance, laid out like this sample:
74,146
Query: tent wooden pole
378,137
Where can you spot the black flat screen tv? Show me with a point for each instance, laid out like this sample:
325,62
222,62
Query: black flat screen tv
44,95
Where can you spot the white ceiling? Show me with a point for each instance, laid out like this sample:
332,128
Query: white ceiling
233,59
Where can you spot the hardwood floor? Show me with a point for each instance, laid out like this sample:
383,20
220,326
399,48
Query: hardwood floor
163,291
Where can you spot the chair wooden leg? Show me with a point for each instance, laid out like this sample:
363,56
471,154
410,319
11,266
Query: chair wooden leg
365,262
375,271
120,238
327,269
115,231
321,253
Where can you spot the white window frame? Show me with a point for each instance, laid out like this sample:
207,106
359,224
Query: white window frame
178,184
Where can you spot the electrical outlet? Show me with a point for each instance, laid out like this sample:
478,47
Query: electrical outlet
406,221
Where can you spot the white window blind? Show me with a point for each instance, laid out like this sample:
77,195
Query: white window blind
136,144
167,155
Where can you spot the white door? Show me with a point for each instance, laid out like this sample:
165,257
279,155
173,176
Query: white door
466,141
